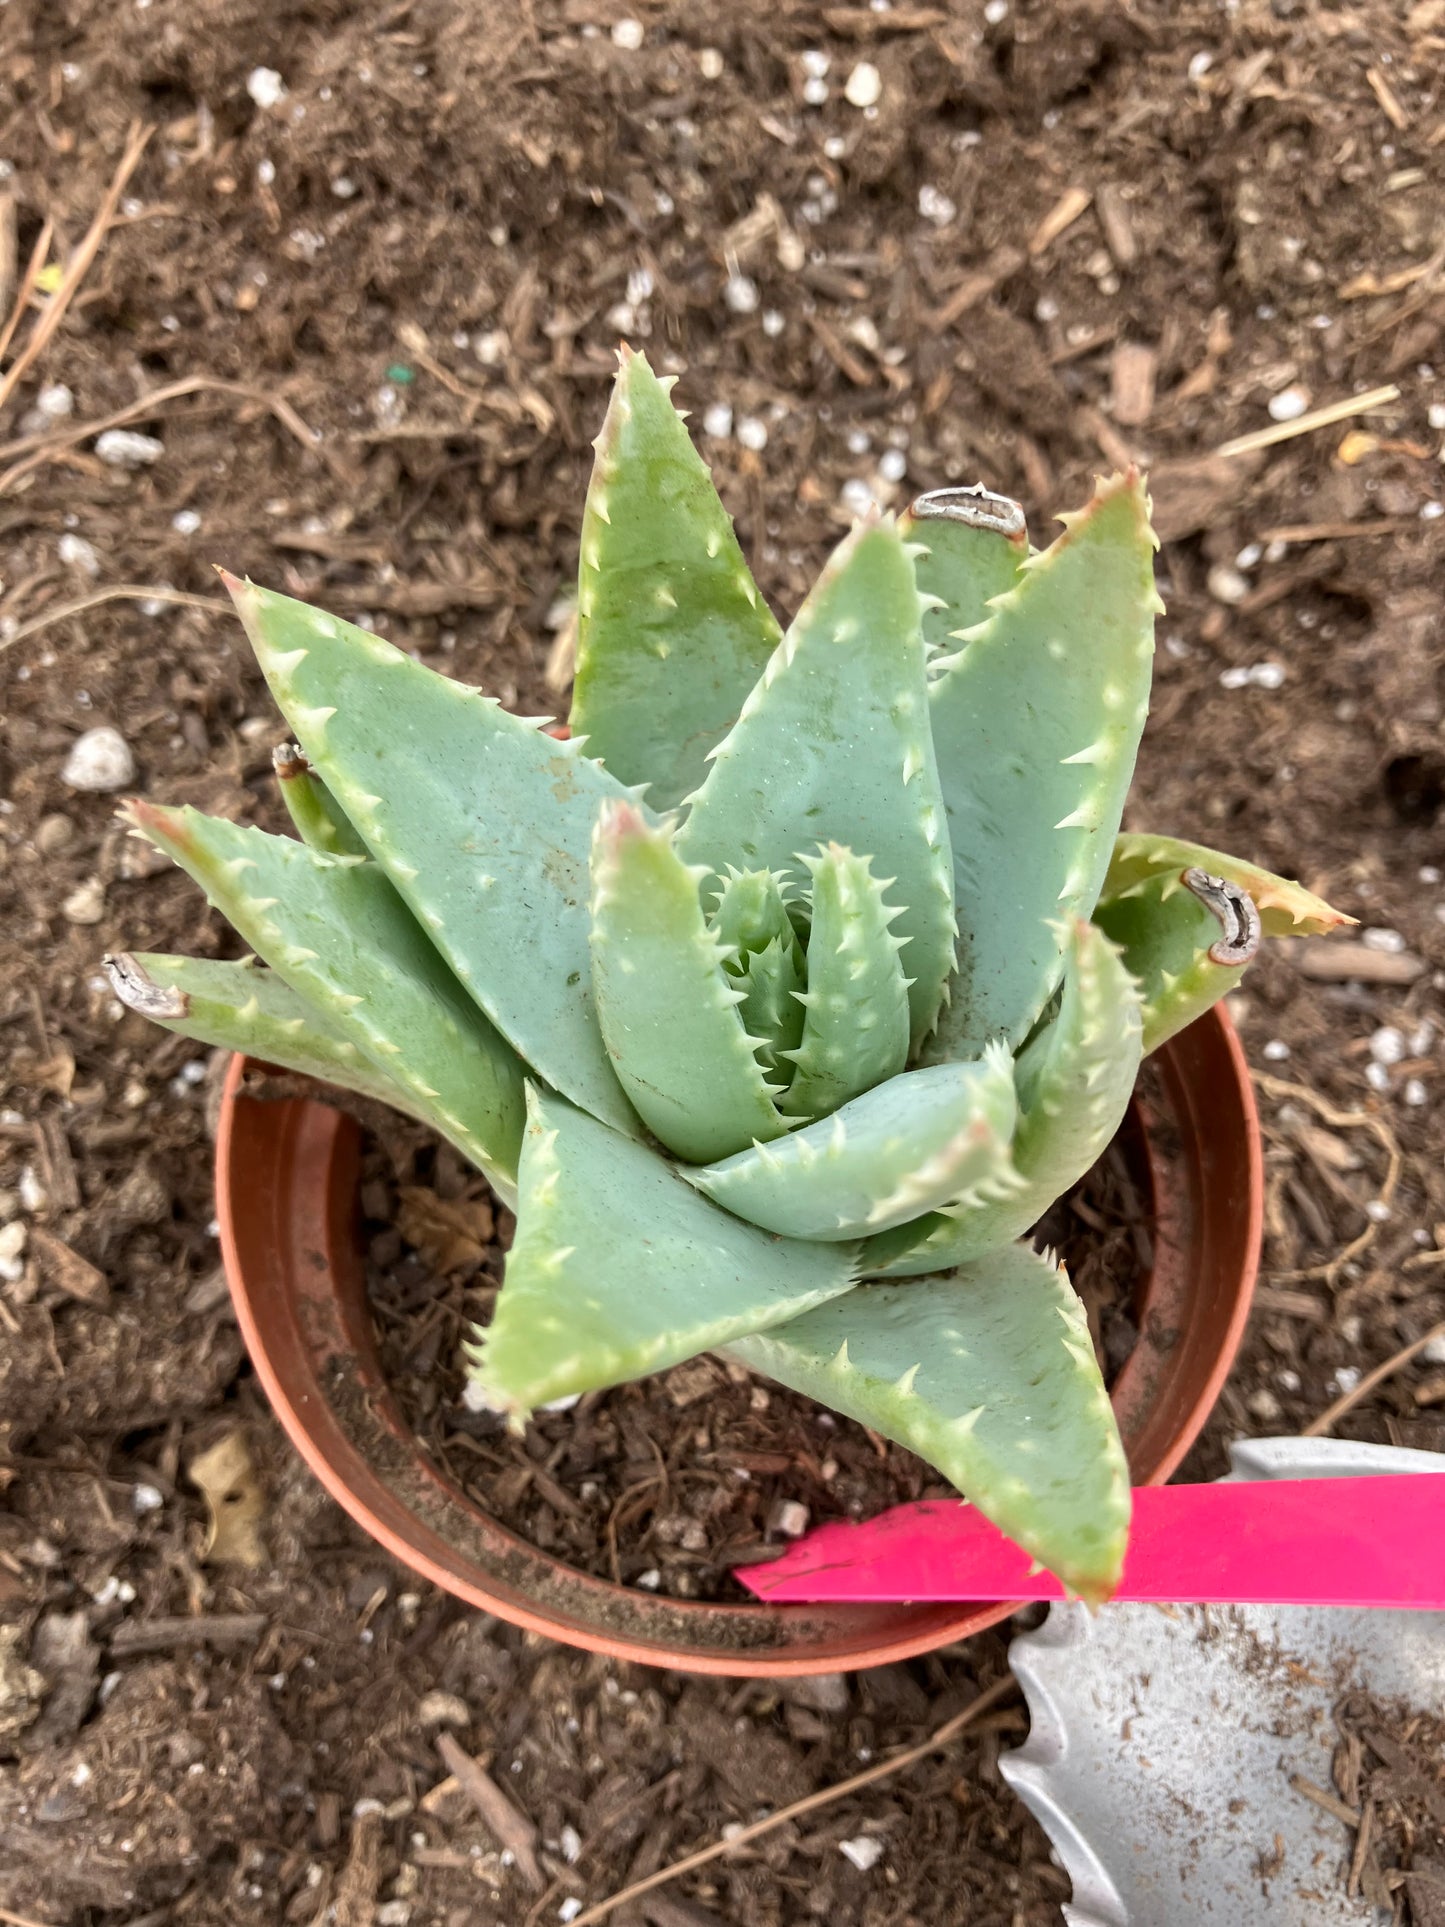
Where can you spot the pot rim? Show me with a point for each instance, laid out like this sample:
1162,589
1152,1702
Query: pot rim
295,1272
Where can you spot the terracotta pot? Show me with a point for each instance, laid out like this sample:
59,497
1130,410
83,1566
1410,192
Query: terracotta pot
287,1177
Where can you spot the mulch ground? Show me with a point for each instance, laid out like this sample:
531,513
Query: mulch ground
363,290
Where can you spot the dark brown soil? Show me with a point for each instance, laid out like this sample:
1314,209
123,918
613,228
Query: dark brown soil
671,1482
424,249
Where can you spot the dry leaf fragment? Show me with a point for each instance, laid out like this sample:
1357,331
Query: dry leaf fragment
226,1473
67,1270
452,1234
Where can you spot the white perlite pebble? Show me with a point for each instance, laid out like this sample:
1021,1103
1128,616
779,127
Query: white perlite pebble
1434,1352
570,1841
443,1709
128,448
790,1518
99,760
935,206
717,420
710,63
752,433
1226,585
864,1851
740,293
628,34
1387,1045
1415,1093
146,1498
475,1399
55,402
1276,1050
1289,404
186,522
1347,1378
76,553
570,1908
865,86
265,86
1377,938
13,1238
87,904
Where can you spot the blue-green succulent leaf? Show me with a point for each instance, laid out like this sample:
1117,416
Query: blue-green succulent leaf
855,1031
923,1139
1037,724
971,545
833,744
482,822
338,933
668,1009
671,631
988,1374
618,1268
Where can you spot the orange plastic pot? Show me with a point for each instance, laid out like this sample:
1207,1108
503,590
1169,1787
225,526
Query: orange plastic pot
287,1180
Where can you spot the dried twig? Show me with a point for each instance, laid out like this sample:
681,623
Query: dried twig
990,1697
37,449
1348,1400
1293,532
38,255
1060,217
504,1820
53,312
1340,1121
118,592
1328,1802
1335,411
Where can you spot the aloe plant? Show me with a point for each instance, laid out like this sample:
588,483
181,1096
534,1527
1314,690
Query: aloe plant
811,961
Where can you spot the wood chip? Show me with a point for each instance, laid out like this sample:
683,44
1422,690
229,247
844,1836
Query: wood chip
1339,962
1113,212
1362,1847
1132,369
1001,266
1060,217
163,1635
66,1270
1329,1802
1381,89
506,1822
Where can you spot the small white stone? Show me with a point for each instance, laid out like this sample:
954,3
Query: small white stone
186,522
1434,1352
1377,1077
33,1195
1250,556
570,1908
816,63
935,206
864,1851
1276,1050
570,1841
55,401
127,448
790,1517
717,420
1287,1380
1347,1378
1377,1211
1267,675
1435,414
1234,678
740,292
815,92
893,465
1431,511
628,34
864,86
13,1238
1265,1406
1388,1046
752,433
365,1807
76,553
1415,1094
1377,938
393,1913
649,1580
491,346
856,496
85,904
99,760
1226,584
146,1498
995,12
773,323
710,63
1289,404
1422,1037
265,86
265,172
1429,873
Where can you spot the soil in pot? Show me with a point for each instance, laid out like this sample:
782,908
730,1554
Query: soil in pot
669,1482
